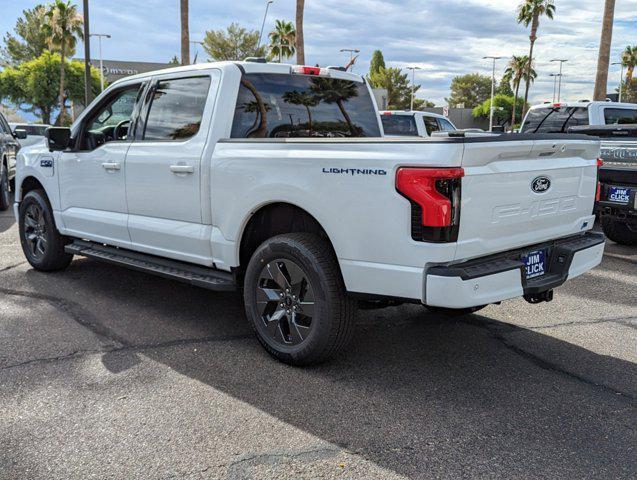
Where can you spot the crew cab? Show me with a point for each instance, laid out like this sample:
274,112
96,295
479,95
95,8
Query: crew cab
414,123
275,179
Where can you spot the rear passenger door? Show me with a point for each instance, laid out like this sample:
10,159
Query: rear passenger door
164,171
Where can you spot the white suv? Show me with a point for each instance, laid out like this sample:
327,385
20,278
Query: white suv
401,123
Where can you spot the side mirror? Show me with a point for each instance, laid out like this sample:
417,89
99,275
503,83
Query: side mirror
58,138
20,133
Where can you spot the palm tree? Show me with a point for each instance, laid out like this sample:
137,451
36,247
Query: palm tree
603,59
529,13
300,46
515,72
63,27
185,33
282,40
302,98
629,60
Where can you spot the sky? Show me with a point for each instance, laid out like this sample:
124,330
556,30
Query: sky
445,38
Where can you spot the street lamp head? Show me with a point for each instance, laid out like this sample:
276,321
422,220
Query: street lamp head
559,60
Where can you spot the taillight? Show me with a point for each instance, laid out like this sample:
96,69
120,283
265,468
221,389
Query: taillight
600,162
434,194
598,192
303,70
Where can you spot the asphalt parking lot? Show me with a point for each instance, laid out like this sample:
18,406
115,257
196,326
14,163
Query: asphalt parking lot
106,372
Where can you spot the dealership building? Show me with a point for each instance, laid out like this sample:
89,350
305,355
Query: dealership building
116,69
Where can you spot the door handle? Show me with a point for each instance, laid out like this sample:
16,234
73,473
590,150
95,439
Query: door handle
182,169
112,166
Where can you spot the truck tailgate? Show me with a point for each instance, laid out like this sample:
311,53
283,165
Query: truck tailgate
521,193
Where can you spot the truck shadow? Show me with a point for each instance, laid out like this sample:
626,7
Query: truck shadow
416,393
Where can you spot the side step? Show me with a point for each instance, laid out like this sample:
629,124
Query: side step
181,271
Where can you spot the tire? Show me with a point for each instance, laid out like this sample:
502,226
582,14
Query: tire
5,197
42,244
454,312
618,232
295,299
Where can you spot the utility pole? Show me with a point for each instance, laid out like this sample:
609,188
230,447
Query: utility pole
99,38
621,79
559,88
413,84
265,16
87,57
492,90
351,51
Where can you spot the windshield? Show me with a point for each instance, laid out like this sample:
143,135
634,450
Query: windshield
554,119
399,125
282,106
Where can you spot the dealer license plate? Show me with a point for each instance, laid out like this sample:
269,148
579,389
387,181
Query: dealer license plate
535,263
618,194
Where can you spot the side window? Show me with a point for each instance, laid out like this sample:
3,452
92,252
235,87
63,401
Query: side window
112,119
620,116
176,108
431,125
446,125
4,127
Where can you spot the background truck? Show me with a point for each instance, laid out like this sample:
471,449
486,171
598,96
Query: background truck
411,123
617,202
275,179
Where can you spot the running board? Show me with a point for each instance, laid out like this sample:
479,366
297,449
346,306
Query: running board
183,272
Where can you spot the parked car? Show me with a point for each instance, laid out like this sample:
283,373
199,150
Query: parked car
414,123
617,201
559,117
197,173
9,147
35,132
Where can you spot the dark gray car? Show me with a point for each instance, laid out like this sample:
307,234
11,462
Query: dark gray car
9,147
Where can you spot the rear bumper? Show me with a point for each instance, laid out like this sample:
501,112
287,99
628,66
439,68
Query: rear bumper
501,277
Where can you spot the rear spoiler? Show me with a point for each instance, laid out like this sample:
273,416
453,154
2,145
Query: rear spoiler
607,131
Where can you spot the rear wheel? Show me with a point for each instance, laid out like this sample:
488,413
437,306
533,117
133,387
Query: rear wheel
618,231
42,244
296,301
4,188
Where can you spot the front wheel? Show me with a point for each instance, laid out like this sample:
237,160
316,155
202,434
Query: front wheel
42,244
295,299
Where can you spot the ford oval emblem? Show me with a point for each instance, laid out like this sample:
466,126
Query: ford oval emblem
540,184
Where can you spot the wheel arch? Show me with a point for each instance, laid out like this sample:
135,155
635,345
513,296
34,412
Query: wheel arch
28,184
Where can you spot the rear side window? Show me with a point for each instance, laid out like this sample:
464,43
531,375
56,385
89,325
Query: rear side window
554,120
399,125
431,125
177,108
446,125
620,116
284,106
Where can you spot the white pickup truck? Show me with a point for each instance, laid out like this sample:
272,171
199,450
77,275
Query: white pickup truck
276,179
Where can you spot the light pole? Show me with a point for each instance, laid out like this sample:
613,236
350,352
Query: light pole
559,88
87,56
195,42
621,79
267,6
351,51
413,84
555,76
492,90
99,39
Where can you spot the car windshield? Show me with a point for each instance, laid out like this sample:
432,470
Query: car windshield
554,119
399,124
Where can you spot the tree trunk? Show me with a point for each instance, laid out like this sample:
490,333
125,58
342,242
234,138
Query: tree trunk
300,46
185,33
345,116
533,37
603,60
309,119
515,103
62,96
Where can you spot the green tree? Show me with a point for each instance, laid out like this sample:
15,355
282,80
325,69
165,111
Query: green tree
629,60
234,43
504,87
63,27
529,13
516,70
421,104
174,61
469,90
503,108
397,85
377,63
282,40
28,40
34,85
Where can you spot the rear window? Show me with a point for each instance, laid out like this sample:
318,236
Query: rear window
32,129
554,120
399,125
620,116
283,106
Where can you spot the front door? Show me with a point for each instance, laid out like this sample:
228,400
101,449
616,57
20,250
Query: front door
164,180
91,175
